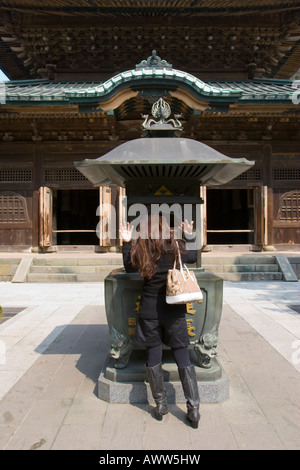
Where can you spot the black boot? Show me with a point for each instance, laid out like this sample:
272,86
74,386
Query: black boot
188,379
156,382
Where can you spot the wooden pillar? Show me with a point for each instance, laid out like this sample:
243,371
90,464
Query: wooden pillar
268,197
105,217
37,182
203,218
121,213
259,217
35,221
46,211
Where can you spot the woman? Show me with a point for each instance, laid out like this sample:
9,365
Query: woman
152,254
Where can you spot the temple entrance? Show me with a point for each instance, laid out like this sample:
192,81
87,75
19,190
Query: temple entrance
74,217
230,216
71,217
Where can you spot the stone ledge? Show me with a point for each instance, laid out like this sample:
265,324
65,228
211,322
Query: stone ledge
138,391
287,270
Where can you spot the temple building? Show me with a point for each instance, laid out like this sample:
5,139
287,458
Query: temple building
84,73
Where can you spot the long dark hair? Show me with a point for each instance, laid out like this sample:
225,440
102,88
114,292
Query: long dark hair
155,238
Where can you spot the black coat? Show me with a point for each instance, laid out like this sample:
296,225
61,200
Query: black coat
153,302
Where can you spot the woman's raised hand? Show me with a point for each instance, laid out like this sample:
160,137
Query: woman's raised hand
187,228
125,231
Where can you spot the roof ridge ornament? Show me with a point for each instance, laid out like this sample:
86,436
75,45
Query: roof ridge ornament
153,61
161,110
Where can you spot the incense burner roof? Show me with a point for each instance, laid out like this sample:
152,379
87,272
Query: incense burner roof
165,157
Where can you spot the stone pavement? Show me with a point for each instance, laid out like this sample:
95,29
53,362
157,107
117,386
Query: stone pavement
51,354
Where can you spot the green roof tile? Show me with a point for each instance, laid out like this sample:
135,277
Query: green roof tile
251,91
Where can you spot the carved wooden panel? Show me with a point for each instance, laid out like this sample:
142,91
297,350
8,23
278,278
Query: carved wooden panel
13,209
289,208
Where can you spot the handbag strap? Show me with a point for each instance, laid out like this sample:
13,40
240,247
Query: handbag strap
179,257
180,262
181,265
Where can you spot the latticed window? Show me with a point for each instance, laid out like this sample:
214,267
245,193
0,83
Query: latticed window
290,207
15,176
58,175
13,209
254,174
286,174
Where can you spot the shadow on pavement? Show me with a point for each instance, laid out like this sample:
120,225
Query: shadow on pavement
89,342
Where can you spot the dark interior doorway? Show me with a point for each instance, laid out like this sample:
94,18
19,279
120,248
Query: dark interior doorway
74,212
230,216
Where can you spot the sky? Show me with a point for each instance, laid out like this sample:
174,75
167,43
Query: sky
3,76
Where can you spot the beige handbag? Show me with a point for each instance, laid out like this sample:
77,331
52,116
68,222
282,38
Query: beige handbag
182,286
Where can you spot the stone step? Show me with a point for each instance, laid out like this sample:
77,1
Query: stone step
115,260
74,248
8,267
10,260
74,269
96,268
230,248
66,277
239,260
91,277
254,276
220,268
51,277
244,267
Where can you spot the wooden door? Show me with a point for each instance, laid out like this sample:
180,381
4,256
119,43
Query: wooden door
46,211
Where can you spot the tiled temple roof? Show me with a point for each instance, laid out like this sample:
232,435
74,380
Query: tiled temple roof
251,91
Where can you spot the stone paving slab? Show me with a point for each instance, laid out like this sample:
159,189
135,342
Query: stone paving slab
50,401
